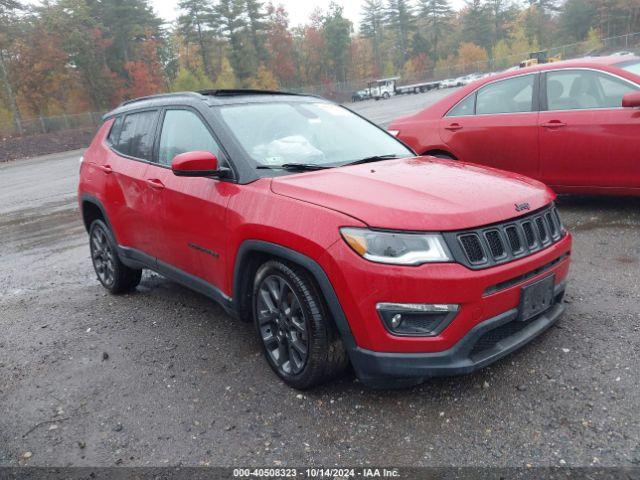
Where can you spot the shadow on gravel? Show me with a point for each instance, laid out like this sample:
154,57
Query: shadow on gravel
160,294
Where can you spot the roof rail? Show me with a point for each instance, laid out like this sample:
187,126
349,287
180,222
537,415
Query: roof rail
161,95
233,92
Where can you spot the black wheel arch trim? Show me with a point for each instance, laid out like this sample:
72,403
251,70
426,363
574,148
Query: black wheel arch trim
258,246
87,198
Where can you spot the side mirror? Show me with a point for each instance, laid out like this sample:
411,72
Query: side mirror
631,100
196,164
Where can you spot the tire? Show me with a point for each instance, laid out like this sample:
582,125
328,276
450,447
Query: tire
298,337
386,96
114,275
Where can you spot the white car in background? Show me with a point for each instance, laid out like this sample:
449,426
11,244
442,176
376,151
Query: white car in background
624,53
448,83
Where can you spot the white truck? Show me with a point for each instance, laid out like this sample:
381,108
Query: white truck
385,88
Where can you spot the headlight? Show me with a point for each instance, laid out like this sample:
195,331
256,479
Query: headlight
397,248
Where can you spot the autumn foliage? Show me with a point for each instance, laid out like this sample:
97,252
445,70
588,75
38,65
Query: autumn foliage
69,56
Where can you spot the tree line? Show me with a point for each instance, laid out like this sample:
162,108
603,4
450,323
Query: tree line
67,56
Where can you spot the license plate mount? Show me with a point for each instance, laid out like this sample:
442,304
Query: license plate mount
536,298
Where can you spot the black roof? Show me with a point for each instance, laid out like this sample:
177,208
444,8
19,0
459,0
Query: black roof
210,97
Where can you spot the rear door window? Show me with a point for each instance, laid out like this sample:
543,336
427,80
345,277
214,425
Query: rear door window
137,135
585,89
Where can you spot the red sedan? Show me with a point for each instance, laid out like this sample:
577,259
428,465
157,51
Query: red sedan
574,125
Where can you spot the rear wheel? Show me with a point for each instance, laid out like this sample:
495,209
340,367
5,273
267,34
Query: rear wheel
114,275
386,96
298,337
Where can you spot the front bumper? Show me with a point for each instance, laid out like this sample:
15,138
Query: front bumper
480,294
487,342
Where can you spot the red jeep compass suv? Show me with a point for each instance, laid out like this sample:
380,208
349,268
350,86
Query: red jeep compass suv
327,232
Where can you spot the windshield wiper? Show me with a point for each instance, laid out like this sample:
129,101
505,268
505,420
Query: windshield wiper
294,167
374,158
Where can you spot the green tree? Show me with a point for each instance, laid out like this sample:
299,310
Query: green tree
401,21
576,18
87,46
420,45
337,34
437,15
191,81
503,14
194,25
8,14
125,23
538,20
476,24
257,26
372,27
234,27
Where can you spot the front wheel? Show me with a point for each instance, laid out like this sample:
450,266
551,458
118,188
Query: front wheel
114,275
299,339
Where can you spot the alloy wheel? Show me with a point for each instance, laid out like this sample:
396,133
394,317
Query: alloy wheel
282,325
102,256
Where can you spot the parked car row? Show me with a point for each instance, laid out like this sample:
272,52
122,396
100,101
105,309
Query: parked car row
462,81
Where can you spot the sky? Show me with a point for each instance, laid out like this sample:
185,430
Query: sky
299,10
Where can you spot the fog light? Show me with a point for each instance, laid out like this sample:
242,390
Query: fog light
396,320
416,319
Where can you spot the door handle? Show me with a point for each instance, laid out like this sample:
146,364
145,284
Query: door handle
554,124
155,183
454,127
106,168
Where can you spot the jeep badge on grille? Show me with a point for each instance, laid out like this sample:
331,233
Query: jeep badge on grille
522,206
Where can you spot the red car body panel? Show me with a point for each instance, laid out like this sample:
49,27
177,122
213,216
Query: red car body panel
413,187
573,151
199,226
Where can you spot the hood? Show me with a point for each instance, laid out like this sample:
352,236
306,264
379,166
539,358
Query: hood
420,194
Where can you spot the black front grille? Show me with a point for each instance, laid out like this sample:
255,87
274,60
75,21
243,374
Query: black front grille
554,228
514,238
473,248
495,244
542,230
529,235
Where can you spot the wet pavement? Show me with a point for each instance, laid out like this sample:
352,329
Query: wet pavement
163,377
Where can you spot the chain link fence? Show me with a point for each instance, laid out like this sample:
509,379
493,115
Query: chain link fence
342,92
58,123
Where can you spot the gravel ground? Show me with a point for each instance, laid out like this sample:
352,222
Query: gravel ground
163,377
14,148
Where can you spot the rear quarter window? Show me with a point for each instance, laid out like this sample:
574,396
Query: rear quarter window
465,108
114,133
137,135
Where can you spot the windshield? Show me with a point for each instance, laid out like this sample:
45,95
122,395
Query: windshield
632,66
314,133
